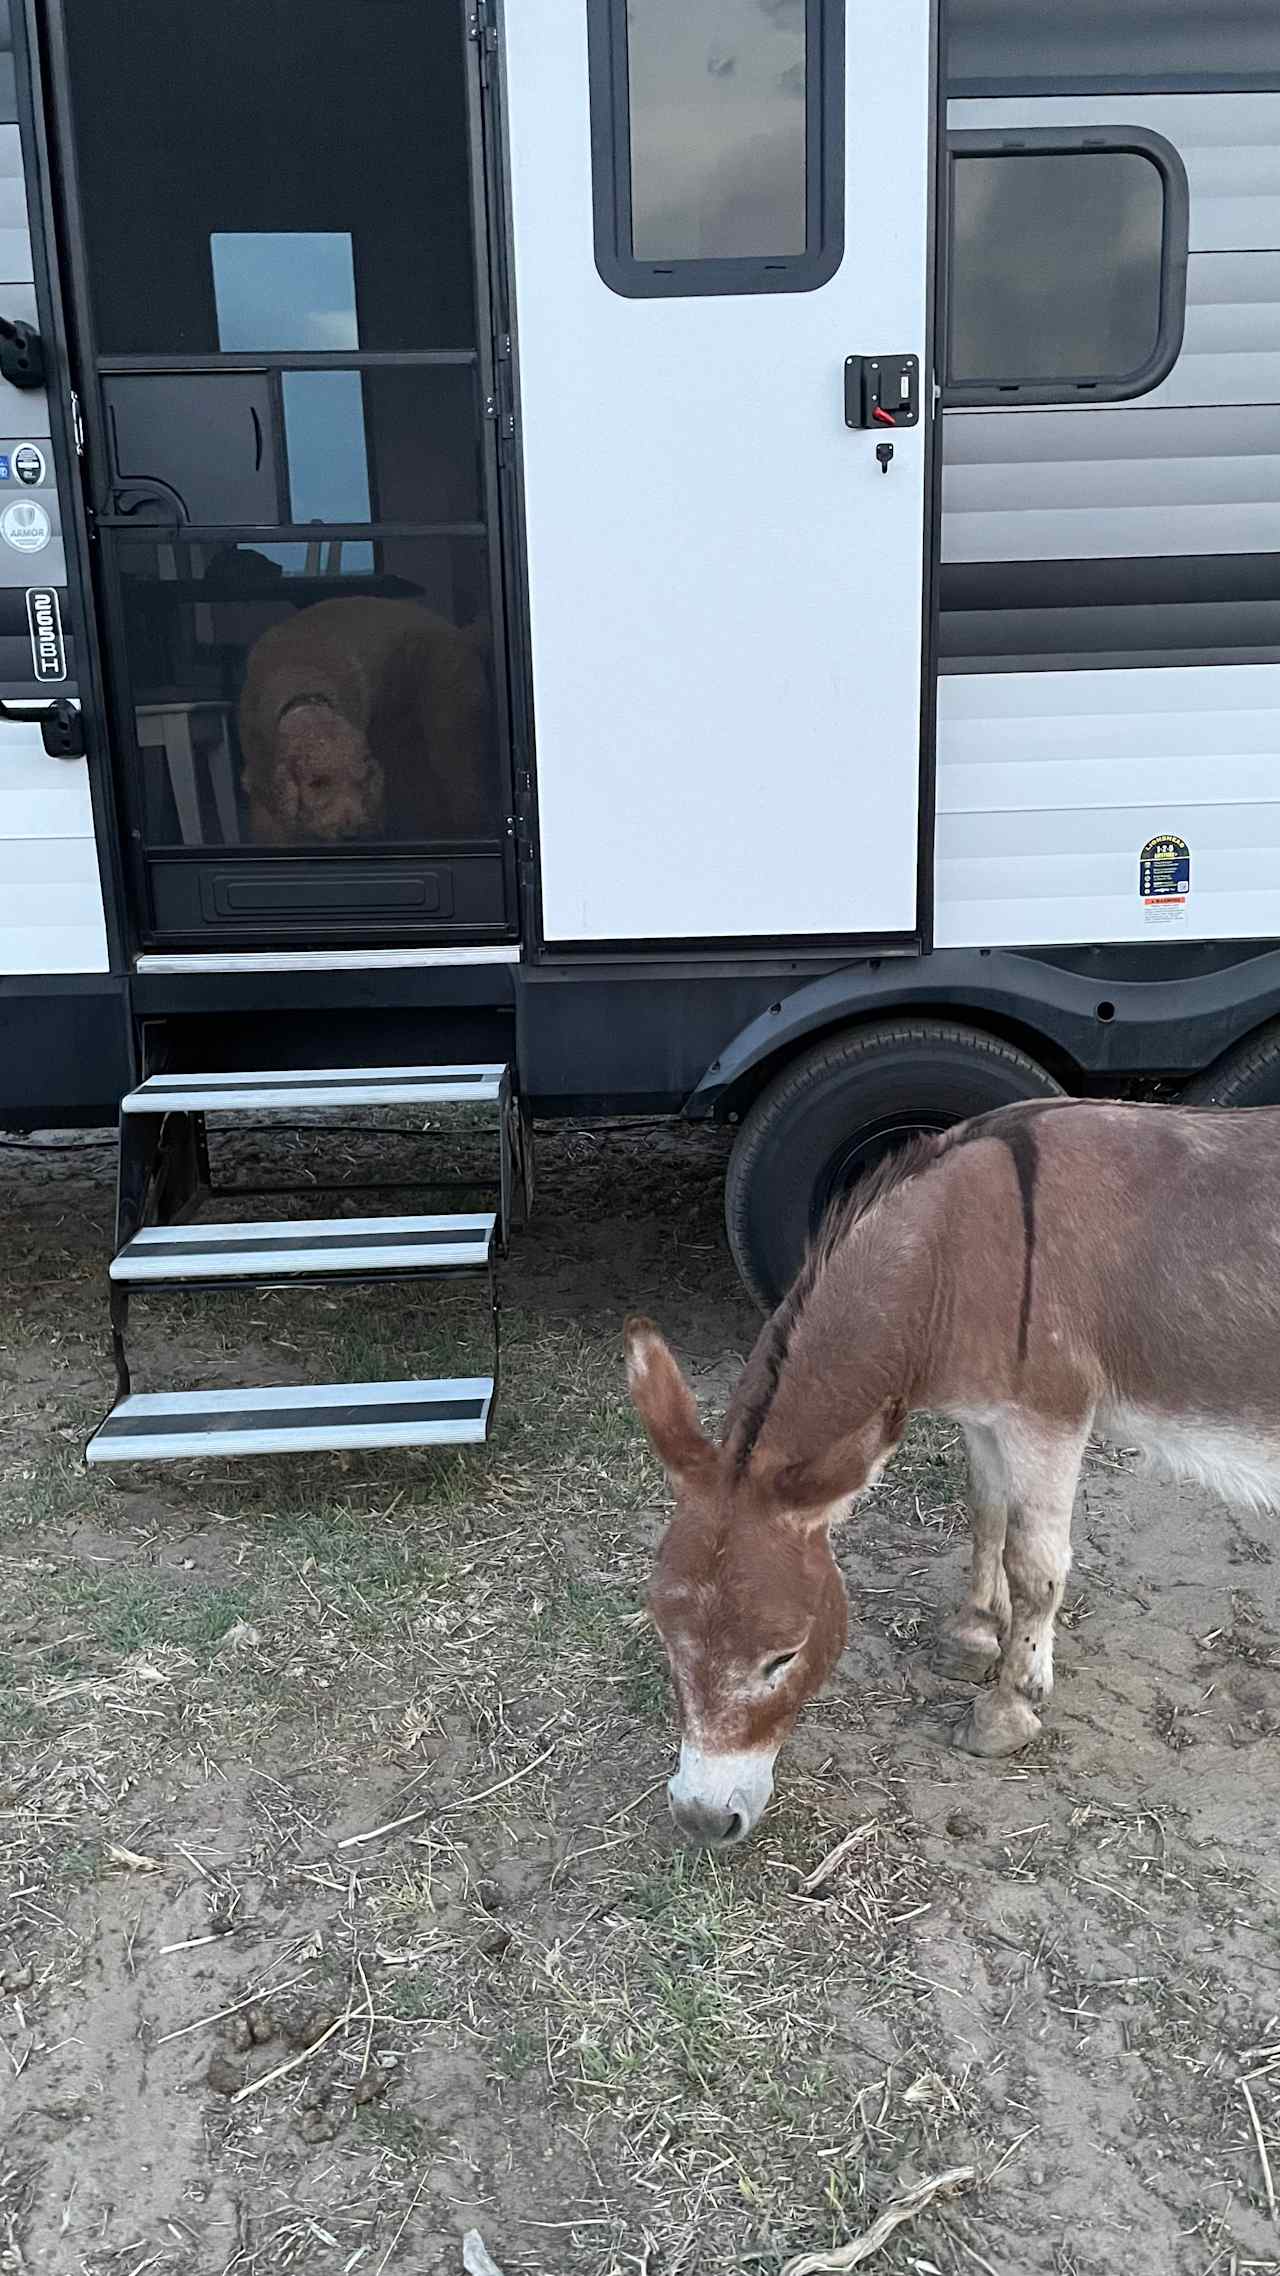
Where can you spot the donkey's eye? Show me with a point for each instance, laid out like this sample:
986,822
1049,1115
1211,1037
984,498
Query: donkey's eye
776,1666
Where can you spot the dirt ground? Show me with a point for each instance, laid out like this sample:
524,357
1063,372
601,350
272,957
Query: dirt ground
339,1908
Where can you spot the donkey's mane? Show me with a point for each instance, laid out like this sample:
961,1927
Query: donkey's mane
744,1423
1014,1125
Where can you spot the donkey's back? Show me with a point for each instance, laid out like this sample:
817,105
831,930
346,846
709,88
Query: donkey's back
1144,1242
1153,1257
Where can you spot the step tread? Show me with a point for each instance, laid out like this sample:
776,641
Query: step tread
294,1418
254,1089
306,1245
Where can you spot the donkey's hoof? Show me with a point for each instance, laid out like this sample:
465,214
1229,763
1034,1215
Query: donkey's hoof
968,1647
998,1723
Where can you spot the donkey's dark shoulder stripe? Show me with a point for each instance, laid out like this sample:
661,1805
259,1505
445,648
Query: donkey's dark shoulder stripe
1017,1128
1014,1126
1020,1138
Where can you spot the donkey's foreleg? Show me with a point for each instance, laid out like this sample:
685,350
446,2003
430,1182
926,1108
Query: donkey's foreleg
975,1632
1043,1464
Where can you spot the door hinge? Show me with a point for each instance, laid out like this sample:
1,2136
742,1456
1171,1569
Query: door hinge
500,406
77,424
482,29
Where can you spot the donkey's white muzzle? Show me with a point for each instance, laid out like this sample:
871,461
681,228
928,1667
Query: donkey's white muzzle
716,1799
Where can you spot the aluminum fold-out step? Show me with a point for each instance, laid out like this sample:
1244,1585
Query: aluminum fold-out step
321,1247
265,1089
172,1426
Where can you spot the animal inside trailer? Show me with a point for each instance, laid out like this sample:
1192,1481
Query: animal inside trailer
1036,1275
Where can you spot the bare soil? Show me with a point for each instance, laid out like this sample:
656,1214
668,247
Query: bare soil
242,2029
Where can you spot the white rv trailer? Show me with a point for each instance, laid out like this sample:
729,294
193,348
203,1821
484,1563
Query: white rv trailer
718,557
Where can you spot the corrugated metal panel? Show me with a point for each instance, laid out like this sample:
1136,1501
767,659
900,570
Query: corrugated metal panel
1231,346
15,236
1049,785
1086,43
51,916
51,905
1229,144
1112,481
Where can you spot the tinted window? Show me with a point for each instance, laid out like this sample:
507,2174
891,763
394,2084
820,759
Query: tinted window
1056,266
717,143
1066,270
288,174
1007,44
717,107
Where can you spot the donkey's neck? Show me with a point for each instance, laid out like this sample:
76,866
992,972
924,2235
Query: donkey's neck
853,1337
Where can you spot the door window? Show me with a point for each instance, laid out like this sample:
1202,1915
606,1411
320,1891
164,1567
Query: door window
717,144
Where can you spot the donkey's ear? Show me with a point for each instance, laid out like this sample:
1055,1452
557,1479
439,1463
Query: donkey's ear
663,1401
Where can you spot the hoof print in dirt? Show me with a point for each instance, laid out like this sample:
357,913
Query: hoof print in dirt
223,2076
318,2125
17,1979
262,2025
371,2087
961,1826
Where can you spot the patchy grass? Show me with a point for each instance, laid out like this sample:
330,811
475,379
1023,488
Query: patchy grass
371,1753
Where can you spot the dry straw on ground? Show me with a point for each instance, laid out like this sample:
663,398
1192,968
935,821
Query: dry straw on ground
395,1943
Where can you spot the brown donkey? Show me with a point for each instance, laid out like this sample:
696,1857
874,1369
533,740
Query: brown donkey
1038,1274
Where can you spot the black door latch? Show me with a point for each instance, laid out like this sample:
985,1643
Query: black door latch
21,353
881,391
61,726
62,729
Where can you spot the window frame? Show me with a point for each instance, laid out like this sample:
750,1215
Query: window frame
1078,142
635,278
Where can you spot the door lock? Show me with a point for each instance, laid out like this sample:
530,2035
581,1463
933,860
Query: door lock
881,391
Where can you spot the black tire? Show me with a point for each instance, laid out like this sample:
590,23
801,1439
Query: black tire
1247,1075
832,1113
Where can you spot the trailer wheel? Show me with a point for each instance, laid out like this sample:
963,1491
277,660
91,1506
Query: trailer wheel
831,1114
1247,1075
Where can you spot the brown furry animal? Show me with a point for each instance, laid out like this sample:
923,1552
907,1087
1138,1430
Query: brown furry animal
366,718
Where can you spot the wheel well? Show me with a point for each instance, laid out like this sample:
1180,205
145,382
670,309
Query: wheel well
741,1095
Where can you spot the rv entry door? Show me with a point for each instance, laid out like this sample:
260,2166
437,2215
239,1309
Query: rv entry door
277,255
722,255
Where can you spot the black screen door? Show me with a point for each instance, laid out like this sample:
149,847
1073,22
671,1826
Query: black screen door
275,227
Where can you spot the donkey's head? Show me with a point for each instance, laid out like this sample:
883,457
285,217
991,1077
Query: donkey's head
746,1596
